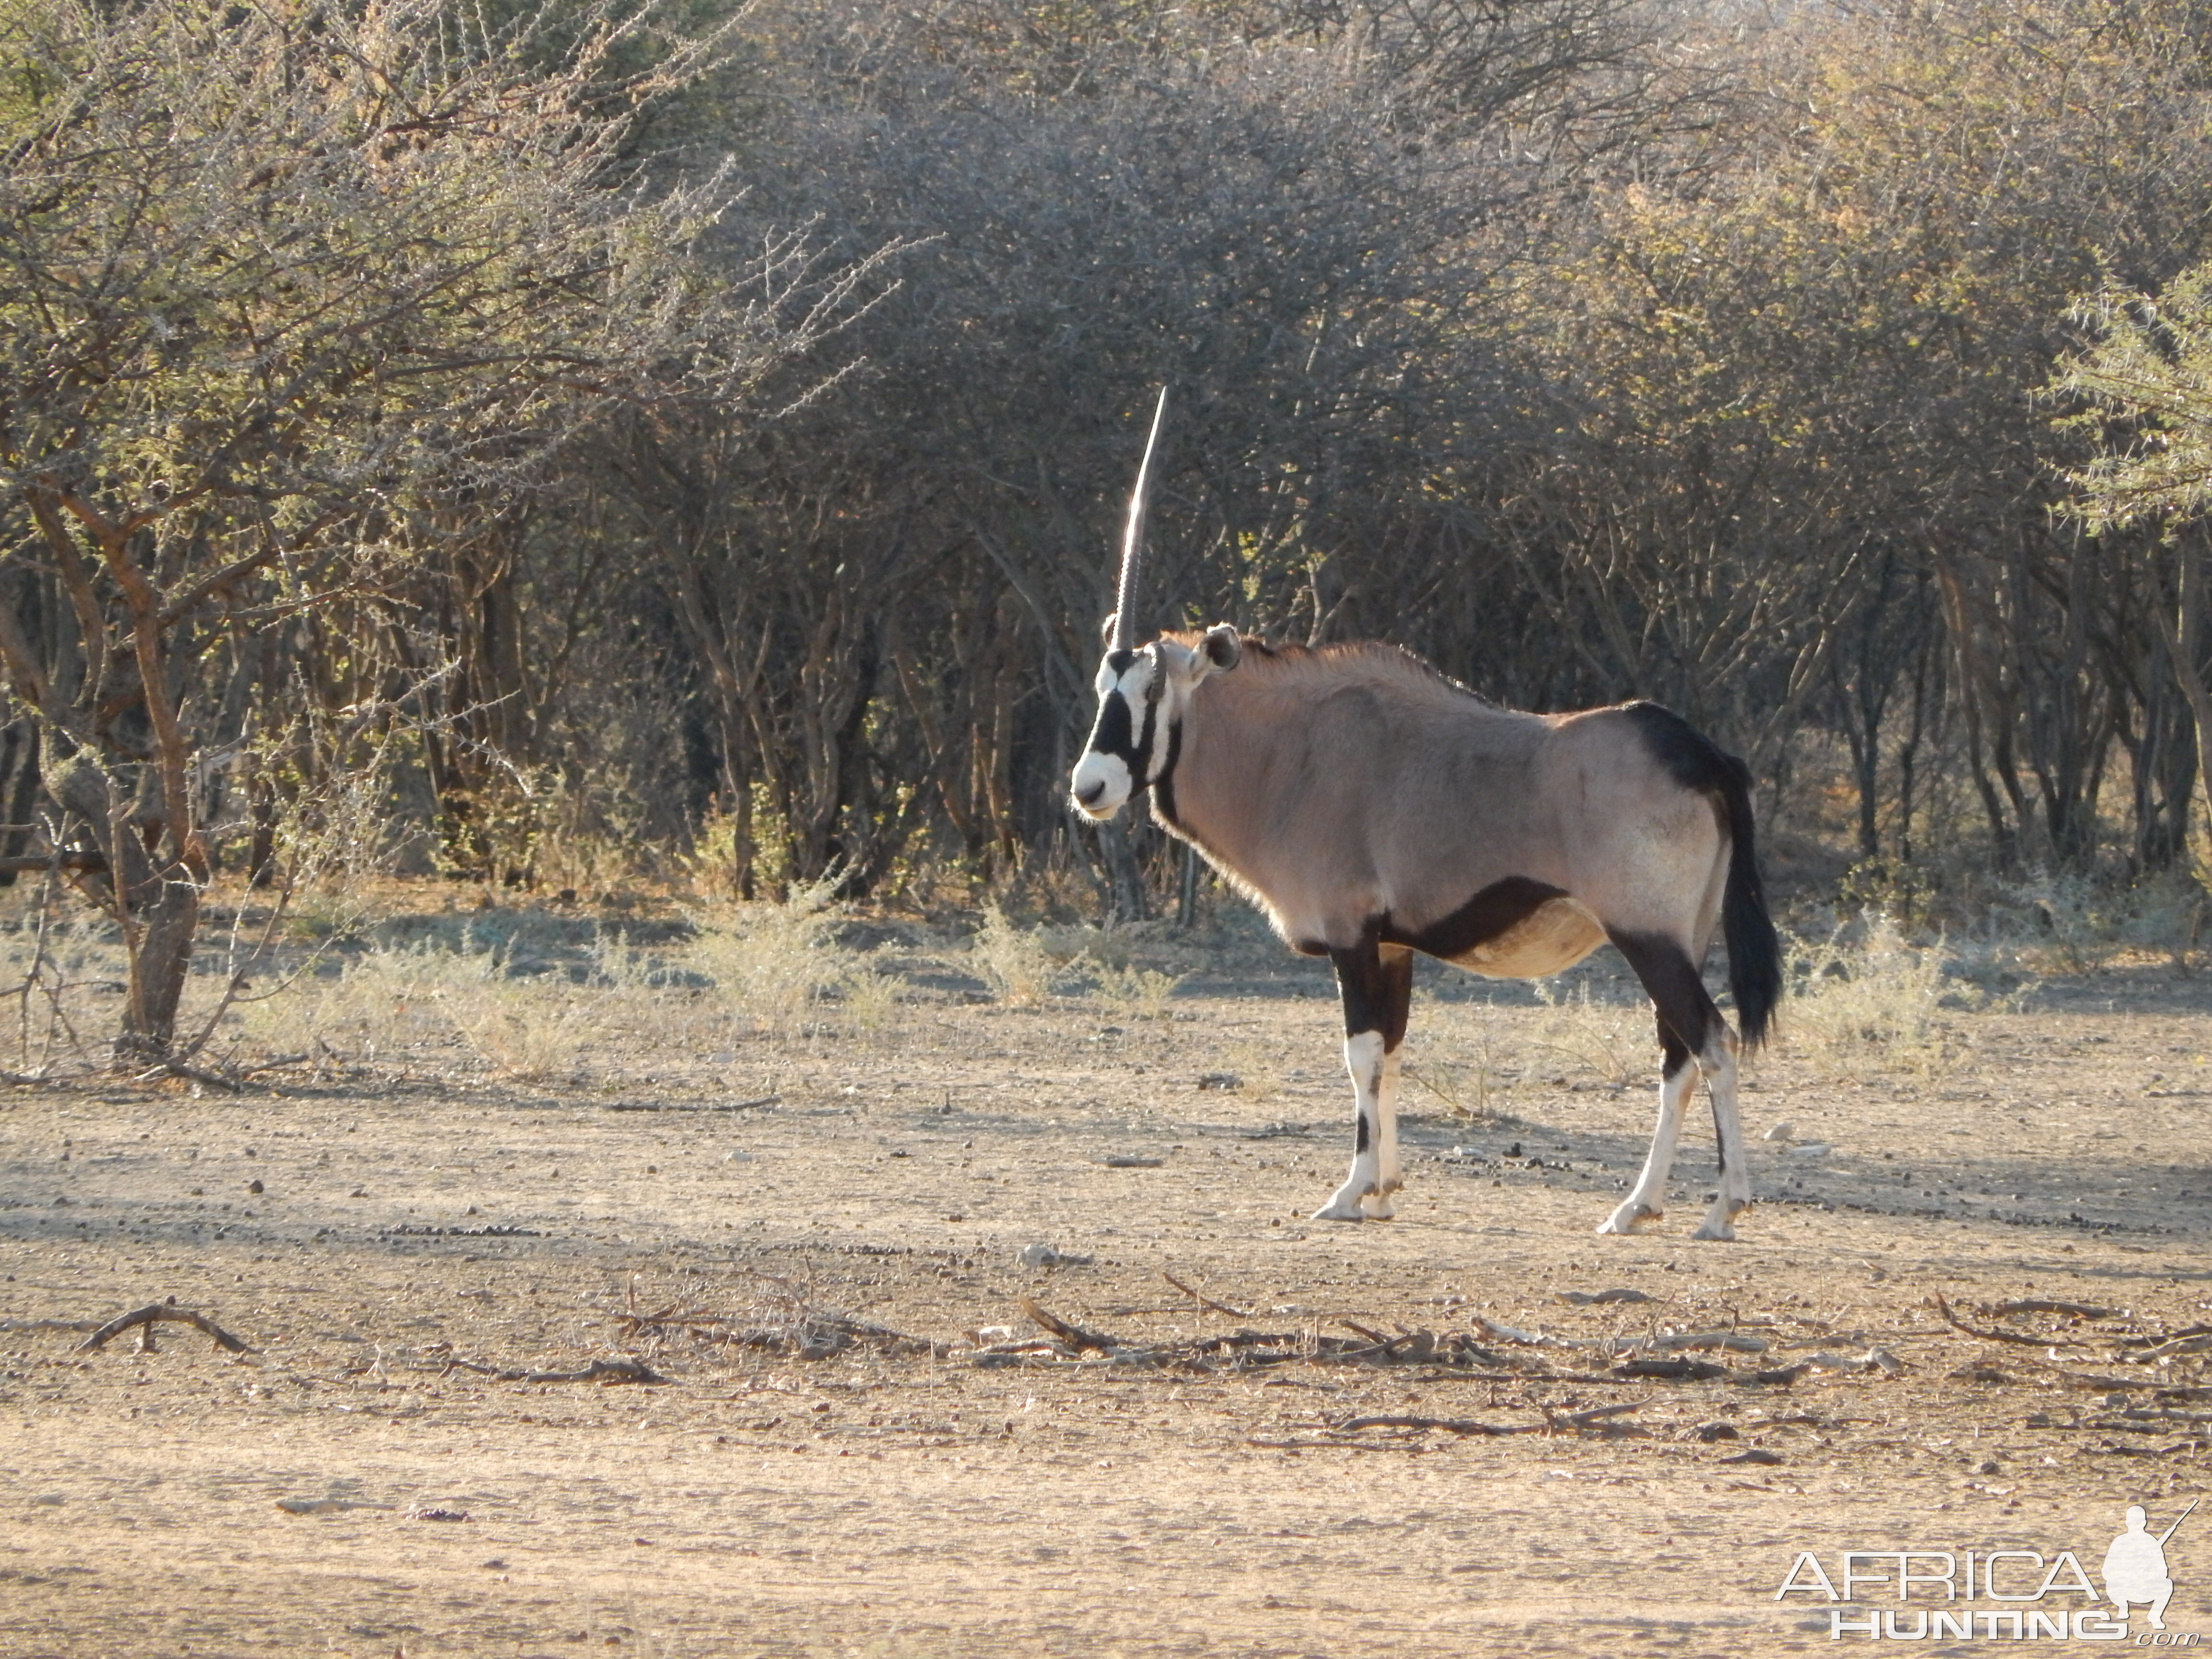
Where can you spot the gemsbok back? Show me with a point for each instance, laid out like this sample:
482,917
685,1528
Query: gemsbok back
1373,808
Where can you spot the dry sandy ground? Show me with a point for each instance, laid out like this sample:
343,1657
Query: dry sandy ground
872,1503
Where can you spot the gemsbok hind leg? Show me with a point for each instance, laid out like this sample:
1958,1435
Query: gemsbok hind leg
1696,1042
1647,1199
1377,984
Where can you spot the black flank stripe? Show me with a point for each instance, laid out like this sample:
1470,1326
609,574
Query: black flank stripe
1490,915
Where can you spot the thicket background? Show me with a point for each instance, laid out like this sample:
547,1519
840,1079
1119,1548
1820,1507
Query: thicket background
697,433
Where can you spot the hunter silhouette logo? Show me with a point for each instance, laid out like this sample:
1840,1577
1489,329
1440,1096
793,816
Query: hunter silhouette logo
2024,1595
2134,1567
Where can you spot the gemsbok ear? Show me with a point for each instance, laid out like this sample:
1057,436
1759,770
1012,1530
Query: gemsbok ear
1106,629
1223,648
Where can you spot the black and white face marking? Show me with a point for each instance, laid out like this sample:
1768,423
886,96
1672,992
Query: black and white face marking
1142,697
1117,760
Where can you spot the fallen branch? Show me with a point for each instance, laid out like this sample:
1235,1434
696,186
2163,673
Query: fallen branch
1583,1420
600,1371
1334,1446
689,1106
1552,1421
1986,1336
674,1314
153,1314
1073,1335
2188,1342
1682,1369
821,1336
2038,1305
190,1073
2098,1380
1731,1341
1205,1301
276,1065
1589,1299
2155,1452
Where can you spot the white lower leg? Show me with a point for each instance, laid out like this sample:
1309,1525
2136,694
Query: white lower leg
1363,1058
1388,1177
1647,1199
1718,1065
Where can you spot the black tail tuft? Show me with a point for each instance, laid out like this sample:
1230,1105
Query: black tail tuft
1754,951
1695,762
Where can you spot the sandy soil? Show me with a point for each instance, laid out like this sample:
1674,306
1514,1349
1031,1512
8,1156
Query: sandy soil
929,1503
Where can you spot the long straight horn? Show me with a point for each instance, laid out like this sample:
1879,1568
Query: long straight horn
1133,542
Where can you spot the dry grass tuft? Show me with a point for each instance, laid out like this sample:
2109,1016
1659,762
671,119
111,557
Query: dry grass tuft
1013,961
1135,992
770,962
1610,1042
1868,995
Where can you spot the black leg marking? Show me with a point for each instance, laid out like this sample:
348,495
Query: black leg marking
1677,990
1360,1138
1687,1014
1375,982
1398,994
1359,983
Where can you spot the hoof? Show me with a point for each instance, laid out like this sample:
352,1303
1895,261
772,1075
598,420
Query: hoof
1337,1210
1716,1224
1629,1218
1377,1206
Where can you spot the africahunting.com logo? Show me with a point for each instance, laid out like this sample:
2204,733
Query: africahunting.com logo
2026,1592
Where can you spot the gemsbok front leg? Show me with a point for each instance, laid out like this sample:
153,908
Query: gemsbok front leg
1377,984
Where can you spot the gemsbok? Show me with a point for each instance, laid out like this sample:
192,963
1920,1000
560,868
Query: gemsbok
1372,808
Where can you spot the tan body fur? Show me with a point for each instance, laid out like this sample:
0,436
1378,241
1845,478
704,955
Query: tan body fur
1570,800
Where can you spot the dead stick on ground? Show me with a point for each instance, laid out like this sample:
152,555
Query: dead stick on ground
277,1064
1583,1420
2014,1337
1207,1301
600,1371
191,1074
1074,1335
1580,1419
156,1311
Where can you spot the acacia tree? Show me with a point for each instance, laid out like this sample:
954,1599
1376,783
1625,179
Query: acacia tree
2144,382
1796,417
290,297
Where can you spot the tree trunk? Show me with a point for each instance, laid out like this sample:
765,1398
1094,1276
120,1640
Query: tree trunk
2182,628
157,903
1125,876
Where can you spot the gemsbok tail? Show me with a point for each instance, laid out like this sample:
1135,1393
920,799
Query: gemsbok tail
1754,951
